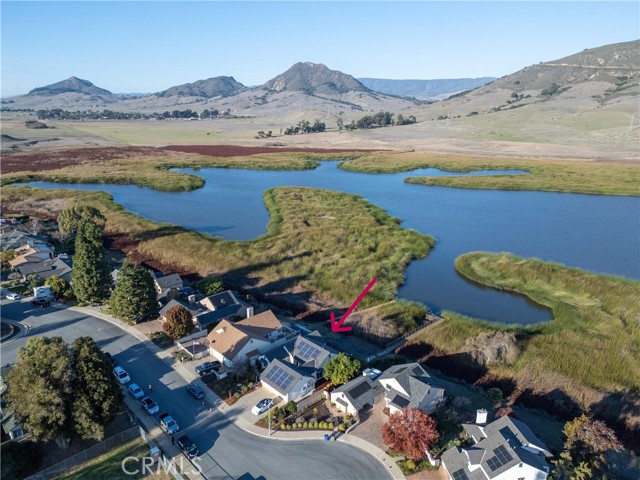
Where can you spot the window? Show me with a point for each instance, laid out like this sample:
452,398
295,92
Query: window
521,465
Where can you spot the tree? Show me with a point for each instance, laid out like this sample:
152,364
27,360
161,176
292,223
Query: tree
179,322
60,236
134,294
70,218
34,226
411,431
58,286
40,389
33,281
506,411
341,368
587,442
7,255
340,123
209,286
97,397
495,395
90,276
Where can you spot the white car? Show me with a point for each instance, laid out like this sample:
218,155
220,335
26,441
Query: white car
262,406
136,391
121,375
13,296
168,423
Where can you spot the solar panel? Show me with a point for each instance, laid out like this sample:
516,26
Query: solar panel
459,475
278,376
500,458
308,351
360,390
400,370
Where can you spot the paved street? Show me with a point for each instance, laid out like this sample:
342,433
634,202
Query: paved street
229,451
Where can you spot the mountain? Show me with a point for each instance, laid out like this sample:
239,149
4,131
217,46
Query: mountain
424,89
70,85
209,88
312,78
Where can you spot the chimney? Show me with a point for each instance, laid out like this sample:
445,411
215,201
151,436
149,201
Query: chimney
249,312
481,416
191,298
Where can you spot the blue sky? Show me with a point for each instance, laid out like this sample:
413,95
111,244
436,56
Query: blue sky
150,46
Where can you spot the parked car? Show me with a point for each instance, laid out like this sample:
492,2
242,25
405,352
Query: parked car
41,302
110,358
121,375
208,367
136,391
262,406
195,391
187,446
13,296
149,405
168,424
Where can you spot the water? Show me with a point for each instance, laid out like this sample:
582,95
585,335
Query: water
598,233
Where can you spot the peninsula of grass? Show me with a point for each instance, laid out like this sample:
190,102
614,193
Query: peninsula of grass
150,168
593,339
551,175
319,244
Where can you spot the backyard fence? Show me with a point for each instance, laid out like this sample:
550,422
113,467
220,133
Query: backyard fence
310,400
88,454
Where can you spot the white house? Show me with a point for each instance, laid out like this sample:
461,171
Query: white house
233,343
409,385
355,395
505,449
288,381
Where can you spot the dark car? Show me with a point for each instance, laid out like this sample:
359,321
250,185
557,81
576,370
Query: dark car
41,302
208,367
195,391
108,356
187,446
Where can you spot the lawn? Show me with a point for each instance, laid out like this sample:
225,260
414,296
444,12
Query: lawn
109,465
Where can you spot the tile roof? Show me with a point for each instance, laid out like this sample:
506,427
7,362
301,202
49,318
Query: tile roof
229,338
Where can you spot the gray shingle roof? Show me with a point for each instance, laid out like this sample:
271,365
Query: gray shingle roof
298,373
311,350
169,281
414,380
360,392
502,449
47,269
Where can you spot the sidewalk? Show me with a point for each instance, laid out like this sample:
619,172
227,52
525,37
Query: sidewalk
240,412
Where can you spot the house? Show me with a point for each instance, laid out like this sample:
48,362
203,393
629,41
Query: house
409,385
31,254
235,343
505,449
195,309
355,395
167,286
12,239
43,270
311,351
11,426
288,381
224,305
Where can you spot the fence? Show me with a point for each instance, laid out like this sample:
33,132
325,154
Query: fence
310,400
85,455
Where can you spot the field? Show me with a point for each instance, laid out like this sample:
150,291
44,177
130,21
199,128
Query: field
320,250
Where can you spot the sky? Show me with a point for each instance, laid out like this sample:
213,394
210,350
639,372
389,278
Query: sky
149,46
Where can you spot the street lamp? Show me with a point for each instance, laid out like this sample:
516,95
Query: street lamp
269,421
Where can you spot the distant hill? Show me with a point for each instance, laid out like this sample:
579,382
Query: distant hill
312,78
70,85
424,89
209,88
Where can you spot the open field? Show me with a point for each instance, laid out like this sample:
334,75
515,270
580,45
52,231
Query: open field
321,247
555,175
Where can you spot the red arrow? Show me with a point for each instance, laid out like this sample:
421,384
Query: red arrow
337,326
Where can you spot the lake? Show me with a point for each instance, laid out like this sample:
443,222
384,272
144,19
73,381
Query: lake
593,232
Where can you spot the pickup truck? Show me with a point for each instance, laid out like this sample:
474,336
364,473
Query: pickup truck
168,424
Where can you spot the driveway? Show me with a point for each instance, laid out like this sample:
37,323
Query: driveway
371,422
228,451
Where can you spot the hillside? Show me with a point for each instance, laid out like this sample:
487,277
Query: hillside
312,78
424,89
70,85
209,88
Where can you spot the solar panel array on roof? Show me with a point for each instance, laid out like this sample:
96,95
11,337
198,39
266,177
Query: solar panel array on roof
417,371
308,351
400,370
280,377
500,458
459,475
360,390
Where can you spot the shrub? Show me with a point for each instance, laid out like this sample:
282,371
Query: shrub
282,426
330,425
313,420
410,464
323,425
299,419
342,427
288,427
236,395
305,425
291,407
315,424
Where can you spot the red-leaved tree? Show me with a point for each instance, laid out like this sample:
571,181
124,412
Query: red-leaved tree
411,431
506,411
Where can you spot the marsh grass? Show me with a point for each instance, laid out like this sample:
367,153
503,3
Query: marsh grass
317,242
552,175
593,339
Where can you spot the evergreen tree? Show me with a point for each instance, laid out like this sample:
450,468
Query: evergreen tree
134,294
90,276
97,397
70,218
40,389
179,322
